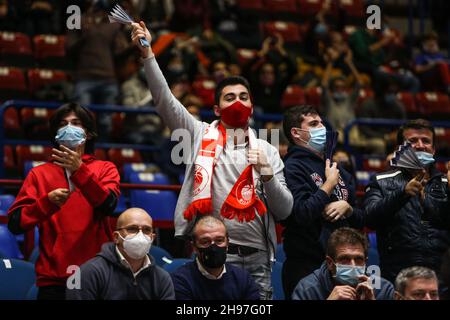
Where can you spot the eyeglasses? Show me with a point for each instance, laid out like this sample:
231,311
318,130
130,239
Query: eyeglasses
133,230
206,242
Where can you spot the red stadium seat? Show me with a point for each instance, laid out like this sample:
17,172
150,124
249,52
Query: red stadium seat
245,55
364,94
314,96
100,154
35,122
39,78
15,49
290,31
442,166
374,164
281,6
12,80
8,158
117,125
433,103
309,8
50,50
442,138
250,4
121,156
442,133
407,99
11,123
31,113
352,8
204,89
32,153
294,95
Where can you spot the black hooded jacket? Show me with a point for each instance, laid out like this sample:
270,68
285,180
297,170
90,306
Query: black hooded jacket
410,231
105,278
306,231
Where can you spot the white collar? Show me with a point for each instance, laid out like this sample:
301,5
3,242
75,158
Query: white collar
208,275
125,263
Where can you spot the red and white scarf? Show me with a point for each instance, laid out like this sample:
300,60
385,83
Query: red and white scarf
242,199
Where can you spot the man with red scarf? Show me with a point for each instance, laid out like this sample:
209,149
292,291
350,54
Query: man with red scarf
232,175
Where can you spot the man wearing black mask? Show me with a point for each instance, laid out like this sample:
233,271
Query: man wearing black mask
209,277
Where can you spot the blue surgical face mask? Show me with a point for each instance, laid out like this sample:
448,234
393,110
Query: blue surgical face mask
70,136
320,29
425,158
318,138
348,274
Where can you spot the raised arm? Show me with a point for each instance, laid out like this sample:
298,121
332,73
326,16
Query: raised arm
168,107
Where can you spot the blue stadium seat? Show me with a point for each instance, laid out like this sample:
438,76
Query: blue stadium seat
34,255
16,278
150,178
28,165
21,237
6,200
160,255
159,204
8,244
175,264
121,205
130,168
32,293
372,239
277,284
373,257
280,255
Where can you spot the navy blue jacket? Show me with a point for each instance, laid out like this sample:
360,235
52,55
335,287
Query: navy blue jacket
410,232
319,285
105,278
306,231
235,284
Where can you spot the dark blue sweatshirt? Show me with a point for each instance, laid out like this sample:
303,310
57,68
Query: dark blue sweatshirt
235,284
306,231
319,285
105,278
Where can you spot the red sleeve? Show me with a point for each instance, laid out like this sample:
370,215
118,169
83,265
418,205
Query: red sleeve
94,189
34,207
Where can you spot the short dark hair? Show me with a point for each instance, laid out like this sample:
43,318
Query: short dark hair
417,124
293,118
230,81
346,236
207,219
430,36
87,120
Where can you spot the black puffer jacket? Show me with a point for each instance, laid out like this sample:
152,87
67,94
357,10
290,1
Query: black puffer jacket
410,232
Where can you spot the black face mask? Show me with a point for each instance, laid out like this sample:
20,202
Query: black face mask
213,256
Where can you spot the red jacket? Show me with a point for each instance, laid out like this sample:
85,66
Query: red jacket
74,233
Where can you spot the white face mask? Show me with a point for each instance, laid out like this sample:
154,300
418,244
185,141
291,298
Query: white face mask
137,246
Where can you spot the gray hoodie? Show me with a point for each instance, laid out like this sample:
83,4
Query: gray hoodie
104,277
278,199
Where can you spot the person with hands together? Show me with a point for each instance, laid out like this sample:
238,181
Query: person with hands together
409,209
324,195
342,276
231,174
69,199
